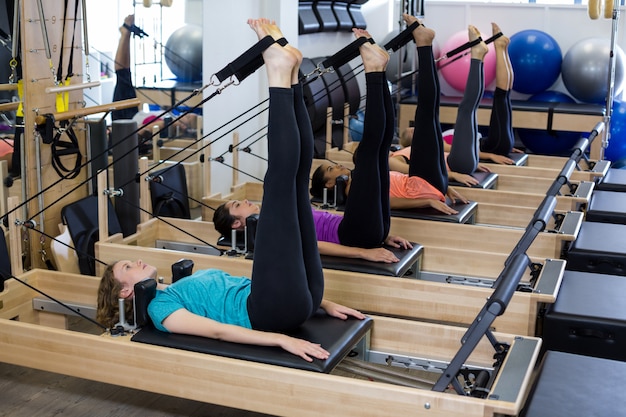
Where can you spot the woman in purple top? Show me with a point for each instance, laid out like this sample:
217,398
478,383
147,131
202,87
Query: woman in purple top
364,226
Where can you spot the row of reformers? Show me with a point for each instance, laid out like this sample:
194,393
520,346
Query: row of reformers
330,16
340,337
584,330
504,285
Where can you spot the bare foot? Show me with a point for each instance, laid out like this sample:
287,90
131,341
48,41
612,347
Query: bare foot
502,41
422,35
375,58
279,61
480,50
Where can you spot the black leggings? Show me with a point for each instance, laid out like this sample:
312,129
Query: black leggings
287,279
500,140
366,217
427,157
463,157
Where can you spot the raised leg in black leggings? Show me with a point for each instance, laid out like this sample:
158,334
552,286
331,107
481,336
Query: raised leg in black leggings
463,156
500,140
366,217
427,158
287,279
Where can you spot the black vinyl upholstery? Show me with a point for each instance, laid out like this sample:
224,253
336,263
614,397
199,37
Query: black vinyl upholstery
335,335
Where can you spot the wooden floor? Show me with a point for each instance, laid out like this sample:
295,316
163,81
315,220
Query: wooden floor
26,392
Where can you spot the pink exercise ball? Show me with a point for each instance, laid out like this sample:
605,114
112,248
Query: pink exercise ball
455,71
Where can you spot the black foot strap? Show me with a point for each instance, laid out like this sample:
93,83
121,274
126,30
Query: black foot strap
493,38
403,38
346,54
463,47
135,30
250,61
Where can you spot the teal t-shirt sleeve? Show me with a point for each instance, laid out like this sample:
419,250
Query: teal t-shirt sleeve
208,293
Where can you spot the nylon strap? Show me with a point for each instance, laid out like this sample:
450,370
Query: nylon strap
346,54
402,38
249,61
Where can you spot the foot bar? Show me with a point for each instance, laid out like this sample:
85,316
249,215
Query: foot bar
248,62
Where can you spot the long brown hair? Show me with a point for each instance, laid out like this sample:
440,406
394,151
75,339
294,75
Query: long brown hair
108,296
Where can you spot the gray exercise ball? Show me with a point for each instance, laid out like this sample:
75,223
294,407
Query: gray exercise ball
585,70
183,53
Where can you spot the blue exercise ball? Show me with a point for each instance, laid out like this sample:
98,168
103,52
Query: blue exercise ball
536,60
356,126
616,151
585,70
183,53
542,142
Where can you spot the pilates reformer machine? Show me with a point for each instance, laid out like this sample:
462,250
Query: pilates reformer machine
195,372
451,270
34,335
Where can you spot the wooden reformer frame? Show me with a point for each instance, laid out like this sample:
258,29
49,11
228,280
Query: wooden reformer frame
38,339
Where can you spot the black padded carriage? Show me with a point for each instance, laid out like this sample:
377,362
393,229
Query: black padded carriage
519,159
336,336
409,265
599,248
486,180
588,317
607,207
570,385
614,180
466,213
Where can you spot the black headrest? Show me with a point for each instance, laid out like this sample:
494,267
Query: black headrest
337,195
144,293
243,238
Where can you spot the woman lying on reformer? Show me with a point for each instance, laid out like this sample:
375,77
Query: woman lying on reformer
288,284
500,141
364,226
426,185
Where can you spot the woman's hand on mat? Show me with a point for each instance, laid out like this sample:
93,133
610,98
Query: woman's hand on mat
303,348
482,168
378,255
441,206
500,159
398,242
455,196
464,179
339,311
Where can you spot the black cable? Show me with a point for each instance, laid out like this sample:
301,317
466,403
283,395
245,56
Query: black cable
59,302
